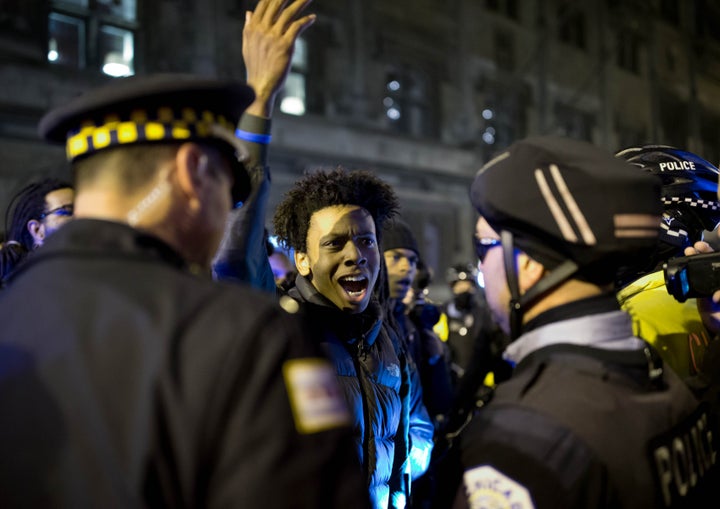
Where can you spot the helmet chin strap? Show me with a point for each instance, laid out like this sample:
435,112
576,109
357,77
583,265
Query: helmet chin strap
518,303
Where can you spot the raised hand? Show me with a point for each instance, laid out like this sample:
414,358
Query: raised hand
268,42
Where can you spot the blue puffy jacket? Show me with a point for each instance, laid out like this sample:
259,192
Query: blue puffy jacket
382,392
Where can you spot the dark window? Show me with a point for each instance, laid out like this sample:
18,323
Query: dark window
630,136
710,134
93,34
504,50
573,123
670,11
508,8
502,117
628,51
571,24
407,102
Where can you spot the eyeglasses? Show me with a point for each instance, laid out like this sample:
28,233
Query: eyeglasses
482,246
64,210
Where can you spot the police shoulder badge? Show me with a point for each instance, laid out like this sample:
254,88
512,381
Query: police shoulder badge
315,397
488,488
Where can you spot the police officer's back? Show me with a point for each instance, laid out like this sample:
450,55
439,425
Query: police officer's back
128,378
590,417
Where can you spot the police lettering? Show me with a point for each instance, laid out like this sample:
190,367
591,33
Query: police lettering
677,165
683,459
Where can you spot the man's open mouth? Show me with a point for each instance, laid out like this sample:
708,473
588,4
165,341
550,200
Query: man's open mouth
354,285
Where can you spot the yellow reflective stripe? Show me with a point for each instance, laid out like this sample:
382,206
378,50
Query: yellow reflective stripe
154,131
101,138
77,145
180,131
127,132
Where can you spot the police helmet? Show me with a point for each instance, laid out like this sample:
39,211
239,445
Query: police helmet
689,190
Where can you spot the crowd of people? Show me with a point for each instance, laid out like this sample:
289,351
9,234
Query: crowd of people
158,351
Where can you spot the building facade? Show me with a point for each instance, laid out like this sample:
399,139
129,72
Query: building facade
420,91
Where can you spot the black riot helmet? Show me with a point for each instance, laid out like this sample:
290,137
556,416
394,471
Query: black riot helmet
689,192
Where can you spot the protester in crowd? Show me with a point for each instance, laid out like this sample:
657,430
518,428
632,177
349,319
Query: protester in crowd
333,221
243,256
402,254
427,352
591,417
38,210
35,213
690,206
144,383
282,268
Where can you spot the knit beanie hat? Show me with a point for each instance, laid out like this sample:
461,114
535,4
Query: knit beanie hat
397,235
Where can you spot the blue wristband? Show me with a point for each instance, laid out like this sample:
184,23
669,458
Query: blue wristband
262,139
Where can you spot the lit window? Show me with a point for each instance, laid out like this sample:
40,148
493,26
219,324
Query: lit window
67,41
293,99
116,50
406,102
109,28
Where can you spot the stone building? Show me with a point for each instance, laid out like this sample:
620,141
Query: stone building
421,91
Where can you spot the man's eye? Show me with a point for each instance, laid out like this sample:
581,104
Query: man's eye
368,242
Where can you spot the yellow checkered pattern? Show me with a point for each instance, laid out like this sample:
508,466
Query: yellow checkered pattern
164,124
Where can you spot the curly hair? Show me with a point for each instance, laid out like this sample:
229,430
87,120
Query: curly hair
320,189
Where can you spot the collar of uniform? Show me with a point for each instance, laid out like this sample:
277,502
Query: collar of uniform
83,237
603,303
609,330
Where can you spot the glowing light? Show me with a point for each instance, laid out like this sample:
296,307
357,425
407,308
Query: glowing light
115,65
393,113
292,106
488,138
394,85
53,54
487,114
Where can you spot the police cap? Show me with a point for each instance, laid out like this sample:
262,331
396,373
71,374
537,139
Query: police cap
159,108
567,199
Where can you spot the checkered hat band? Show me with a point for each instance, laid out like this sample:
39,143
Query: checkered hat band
163,124
692,202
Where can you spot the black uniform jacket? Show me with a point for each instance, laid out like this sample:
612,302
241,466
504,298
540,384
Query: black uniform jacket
127,381
584,427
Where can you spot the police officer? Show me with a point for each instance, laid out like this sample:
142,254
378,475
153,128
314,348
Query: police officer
690,207
591,417
128,378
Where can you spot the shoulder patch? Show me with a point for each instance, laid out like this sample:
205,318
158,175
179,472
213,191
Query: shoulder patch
315,397
487,488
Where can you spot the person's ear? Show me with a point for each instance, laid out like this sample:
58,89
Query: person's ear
530,271
37,231
302,263
192,167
